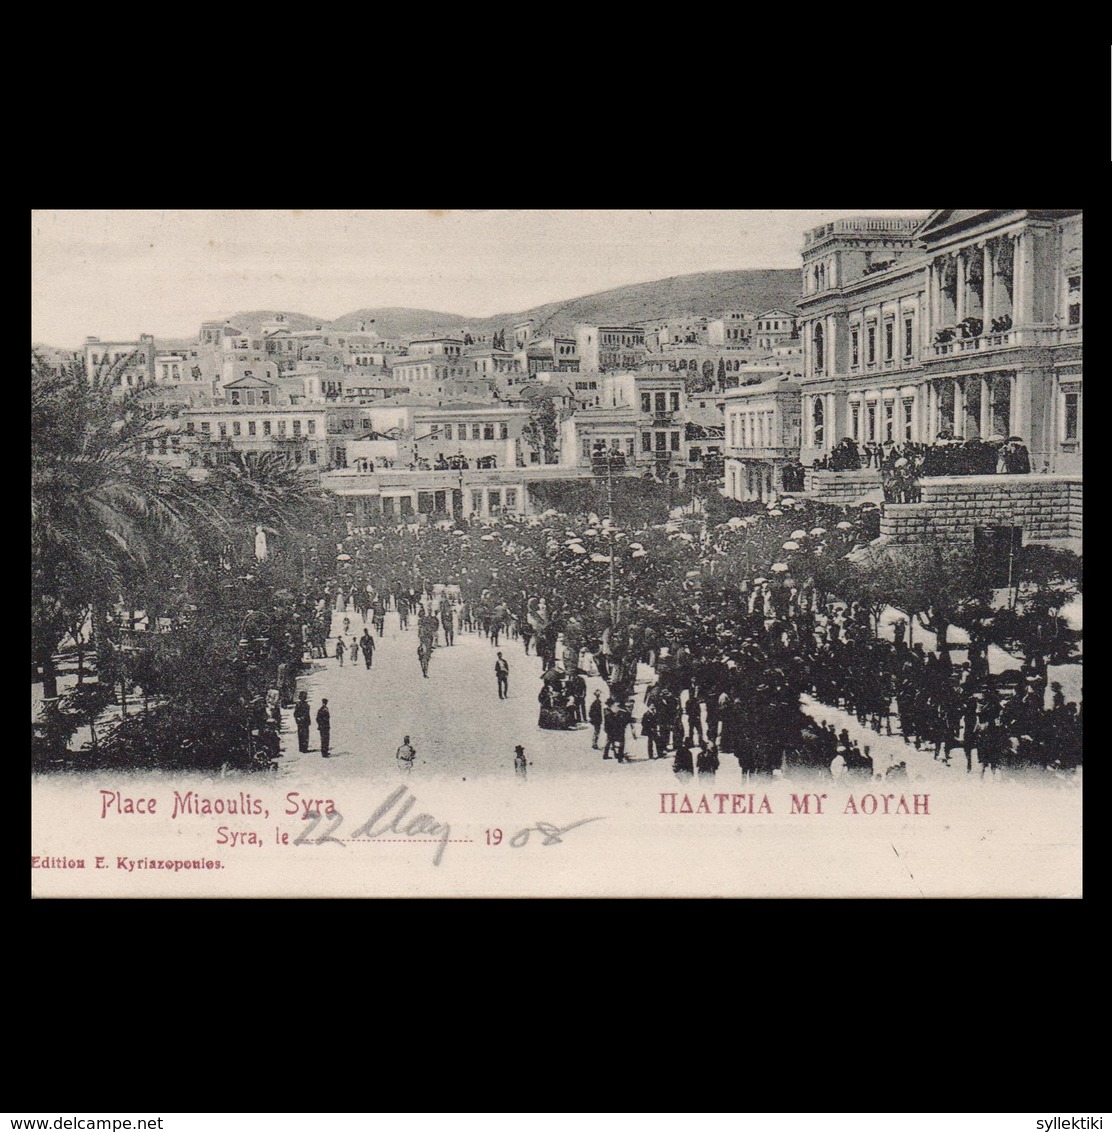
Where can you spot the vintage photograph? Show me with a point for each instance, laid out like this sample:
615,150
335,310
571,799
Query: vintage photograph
557,553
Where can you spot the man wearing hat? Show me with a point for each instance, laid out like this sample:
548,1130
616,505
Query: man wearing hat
520,764
594,717
301,718
502,675
324,726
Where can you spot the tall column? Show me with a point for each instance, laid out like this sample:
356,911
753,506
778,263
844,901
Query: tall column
986,407
989,285
932,411
931,315
959,299
1017,279
959,407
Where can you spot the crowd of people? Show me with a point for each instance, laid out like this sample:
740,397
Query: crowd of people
947,456
730,655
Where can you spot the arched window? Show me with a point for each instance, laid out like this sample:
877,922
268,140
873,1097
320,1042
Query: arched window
819,352
817,422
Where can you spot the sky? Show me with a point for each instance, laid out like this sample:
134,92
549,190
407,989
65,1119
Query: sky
116,273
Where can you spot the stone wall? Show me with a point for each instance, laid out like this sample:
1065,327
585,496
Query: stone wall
842,488
1048,508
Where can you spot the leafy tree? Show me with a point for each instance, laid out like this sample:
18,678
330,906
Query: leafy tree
541,430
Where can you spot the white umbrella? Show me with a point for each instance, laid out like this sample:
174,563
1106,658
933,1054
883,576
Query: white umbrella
639,554
458,533
798,534
486,538
575,548
791,545
780,567
776,513
591,534
636,546
844,526
343,557
788,499
759,581
735,522
600,558
818,532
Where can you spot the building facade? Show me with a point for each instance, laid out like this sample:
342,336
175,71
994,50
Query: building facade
966,324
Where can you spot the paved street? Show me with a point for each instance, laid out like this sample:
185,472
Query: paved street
459,727
454,719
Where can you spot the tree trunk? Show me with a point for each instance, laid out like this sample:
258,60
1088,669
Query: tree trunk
49,678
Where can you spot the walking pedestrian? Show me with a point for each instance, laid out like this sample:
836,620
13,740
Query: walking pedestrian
405,755
354,651
367,643
520,765
324,726
502,674
340,648
302,718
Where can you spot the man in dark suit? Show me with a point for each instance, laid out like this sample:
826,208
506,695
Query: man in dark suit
324,726
502,674
302,718
594,717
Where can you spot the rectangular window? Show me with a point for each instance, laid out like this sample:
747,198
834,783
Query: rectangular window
475,435
855,347
872,345
206,427
476,501
281,428
855,422
660,403
237,428
646,403
889,420
1072,416
312,455
297,428
871,413
488,432
312,428
674,401
629,446
447,431
909,337
190,428
349,425
646,442
223,428
675,442
250,428
266,428
503,431
511,499
889,341
661,441
908,405
264,397
586,449
388,505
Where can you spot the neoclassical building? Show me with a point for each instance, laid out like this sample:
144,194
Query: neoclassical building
967,323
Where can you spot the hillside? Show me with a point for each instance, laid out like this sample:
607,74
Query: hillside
704,293
708,292
400,322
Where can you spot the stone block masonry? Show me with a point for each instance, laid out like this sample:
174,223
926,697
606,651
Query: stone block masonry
841,488
1047,508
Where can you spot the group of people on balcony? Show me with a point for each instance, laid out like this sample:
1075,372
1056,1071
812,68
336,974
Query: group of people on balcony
972,328
902,465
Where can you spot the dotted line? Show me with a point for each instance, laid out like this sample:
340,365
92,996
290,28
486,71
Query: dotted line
414,840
